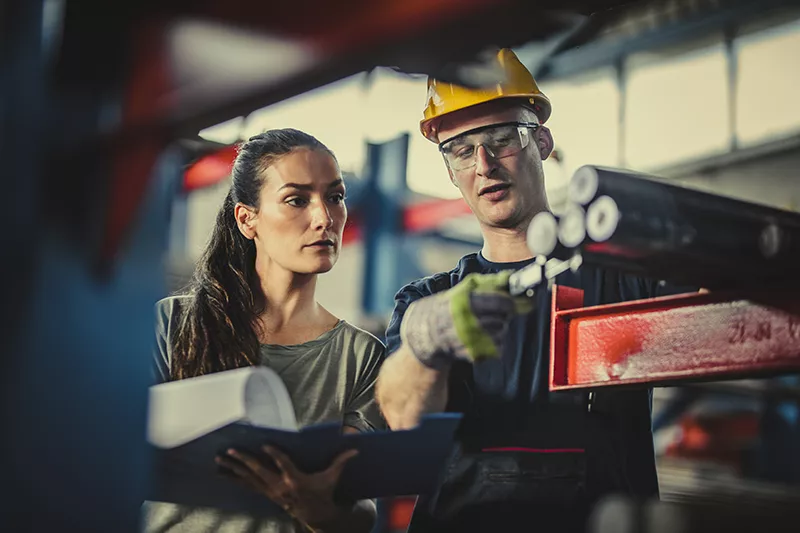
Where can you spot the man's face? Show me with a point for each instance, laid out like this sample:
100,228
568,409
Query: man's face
504,191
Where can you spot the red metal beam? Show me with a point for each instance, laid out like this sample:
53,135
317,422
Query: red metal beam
352,230
431,214
209,169
341,27
133,163
670,339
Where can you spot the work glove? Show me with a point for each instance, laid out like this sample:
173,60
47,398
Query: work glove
468,321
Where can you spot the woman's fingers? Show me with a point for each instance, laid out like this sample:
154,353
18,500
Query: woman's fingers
286,486
255,466
269,484
282,461
241,472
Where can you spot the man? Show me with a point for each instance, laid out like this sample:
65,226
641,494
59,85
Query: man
528,459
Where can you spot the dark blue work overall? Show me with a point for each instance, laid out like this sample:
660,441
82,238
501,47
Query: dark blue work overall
529,459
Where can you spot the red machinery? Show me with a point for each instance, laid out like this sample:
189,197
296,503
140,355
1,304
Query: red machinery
668,340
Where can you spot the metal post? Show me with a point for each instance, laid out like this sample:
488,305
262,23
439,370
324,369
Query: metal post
733,76
383,223
620,71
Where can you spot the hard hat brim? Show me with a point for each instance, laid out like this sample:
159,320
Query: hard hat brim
540,107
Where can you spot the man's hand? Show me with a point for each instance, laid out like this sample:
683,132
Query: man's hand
306,497
469,321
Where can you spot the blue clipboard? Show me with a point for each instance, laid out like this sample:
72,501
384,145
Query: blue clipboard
389,463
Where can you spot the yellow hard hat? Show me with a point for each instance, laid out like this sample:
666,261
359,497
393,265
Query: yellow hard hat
516,82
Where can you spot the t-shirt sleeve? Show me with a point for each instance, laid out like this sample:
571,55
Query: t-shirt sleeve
362,411
162,352
404,297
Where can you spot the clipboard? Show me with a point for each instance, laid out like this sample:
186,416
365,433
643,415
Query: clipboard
192,421
389,463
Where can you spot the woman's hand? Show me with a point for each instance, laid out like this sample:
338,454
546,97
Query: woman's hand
306,497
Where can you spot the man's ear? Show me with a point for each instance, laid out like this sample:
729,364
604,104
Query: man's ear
544,141
246,220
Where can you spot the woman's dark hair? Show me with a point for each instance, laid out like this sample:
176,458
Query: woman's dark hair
217,330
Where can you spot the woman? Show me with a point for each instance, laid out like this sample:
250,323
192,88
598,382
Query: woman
252,301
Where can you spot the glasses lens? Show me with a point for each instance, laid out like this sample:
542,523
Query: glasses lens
504,141
499,141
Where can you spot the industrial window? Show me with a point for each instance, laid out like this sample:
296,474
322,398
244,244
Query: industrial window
767,106
584,123
227,132
333,114
394,106
676,107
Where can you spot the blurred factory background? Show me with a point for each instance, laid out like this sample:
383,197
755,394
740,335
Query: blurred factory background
702,92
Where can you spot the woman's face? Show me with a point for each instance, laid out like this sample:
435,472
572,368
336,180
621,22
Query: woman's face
301,217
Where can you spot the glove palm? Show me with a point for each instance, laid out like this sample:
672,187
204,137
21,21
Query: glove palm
469,321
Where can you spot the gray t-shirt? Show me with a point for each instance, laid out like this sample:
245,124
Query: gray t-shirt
330,379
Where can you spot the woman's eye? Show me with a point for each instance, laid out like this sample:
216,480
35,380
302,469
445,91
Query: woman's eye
337,198
297,202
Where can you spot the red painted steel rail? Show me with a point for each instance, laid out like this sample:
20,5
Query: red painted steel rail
671,339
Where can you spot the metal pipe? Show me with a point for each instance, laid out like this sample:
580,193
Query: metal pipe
646,225
542,236
552,257
556,237
572,226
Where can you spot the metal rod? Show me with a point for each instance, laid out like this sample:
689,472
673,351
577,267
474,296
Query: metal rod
572,226
543,234
646,225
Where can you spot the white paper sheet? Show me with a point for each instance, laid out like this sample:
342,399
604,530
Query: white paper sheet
183,410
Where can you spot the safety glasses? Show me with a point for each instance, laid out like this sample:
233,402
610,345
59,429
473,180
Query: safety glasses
499,141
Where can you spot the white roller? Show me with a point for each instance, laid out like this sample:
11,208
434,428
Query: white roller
770,240
583,185
572,227
602,219
543,234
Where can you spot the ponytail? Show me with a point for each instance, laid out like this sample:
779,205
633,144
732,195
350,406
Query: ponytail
218,328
